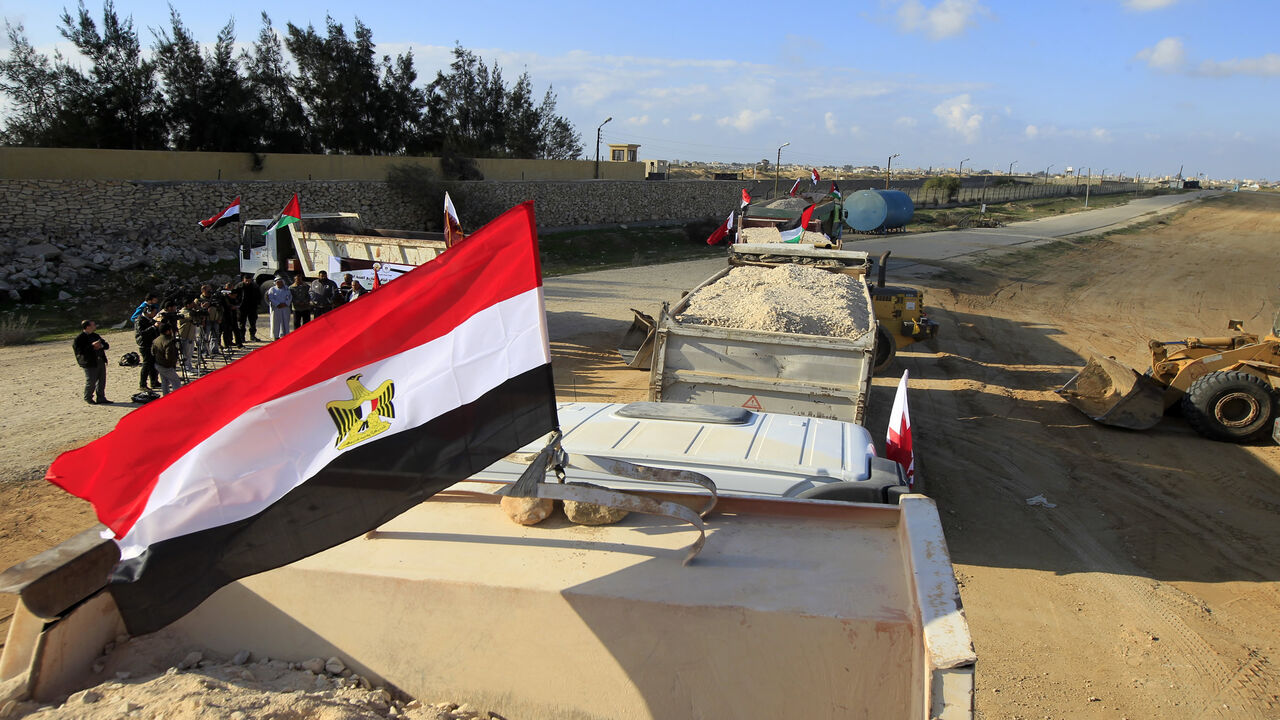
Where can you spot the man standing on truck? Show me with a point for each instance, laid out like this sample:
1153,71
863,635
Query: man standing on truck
323,292
278,299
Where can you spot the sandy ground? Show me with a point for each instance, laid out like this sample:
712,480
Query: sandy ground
1148,590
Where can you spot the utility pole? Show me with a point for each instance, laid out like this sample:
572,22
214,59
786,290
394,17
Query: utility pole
606,121
1015,162
777,168
960,172
888,169
1088,181
1046,175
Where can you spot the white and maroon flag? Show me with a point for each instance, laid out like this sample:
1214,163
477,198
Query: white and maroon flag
328,432
897,441
794,188
231,213
452,226
746,199
721,230
813,176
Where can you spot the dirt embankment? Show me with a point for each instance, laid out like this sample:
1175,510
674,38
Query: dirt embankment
1148,589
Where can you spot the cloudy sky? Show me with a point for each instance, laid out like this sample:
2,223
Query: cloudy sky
1129,86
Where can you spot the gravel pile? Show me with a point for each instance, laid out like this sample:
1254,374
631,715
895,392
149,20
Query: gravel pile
789,299
243,687
771,235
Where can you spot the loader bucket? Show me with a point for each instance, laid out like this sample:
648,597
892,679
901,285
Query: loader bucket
1113,394
636,347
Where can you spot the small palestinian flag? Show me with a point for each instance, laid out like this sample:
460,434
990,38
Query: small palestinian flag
835,191
793,234
232,213
416,387
290,215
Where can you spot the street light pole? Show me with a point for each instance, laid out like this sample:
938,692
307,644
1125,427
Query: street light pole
888,170
960,172
606,121
1046,175
1015,162
777,169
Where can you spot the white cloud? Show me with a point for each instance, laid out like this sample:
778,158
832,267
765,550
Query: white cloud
945,19
695,117
1266,66
1032,131
1167,55
958,114
638,120
666,121
1100,134
906,121
855,130
1145,5
746,119
832,125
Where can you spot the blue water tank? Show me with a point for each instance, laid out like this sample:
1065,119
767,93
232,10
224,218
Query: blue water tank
876,210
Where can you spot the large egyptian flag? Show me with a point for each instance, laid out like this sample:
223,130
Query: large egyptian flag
231,214
328,432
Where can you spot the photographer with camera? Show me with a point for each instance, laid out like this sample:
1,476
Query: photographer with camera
187,323
144,335
211,308
91,356
164,348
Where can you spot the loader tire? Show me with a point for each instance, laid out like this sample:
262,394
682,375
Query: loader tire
1231,406
885,350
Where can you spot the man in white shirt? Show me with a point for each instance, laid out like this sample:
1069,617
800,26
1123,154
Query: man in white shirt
279,299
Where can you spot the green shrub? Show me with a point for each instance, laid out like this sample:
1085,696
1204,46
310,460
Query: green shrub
16,330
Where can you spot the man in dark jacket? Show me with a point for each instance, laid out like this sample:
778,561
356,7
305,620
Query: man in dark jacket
91,356
323,292
165,350
250,299
144,334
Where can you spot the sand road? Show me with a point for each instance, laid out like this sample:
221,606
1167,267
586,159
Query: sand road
1150,589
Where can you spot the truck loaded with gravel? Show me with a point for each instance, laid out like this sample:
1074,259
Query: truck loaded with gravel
783,329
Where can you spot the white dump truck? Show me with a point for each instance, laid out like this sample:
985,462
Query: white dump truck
816,375
333,242
795,607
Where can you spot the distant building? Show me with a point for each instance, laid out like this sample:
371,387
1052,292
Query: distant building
623,152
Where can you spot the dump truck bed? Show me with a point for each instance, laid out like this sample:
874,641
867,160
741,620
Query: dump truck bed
794,609
403,248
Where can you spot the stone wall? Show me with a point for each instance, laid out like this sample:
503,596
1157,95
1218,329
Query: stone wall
54,232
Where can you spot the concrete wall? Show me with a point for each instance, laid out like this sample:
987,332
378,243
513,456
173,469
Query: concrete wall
23,163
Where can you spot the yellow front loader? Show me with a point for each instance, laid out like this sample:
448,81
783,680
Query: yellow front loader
1225,386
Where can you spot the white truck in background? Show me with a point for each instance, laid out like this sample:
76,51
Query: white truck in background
333,242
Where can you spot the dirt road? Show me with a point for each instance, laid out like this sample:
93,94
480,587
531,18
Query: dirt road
1150,589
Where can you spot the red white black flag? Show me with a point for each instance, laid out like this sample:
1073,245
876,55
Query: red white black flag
398,396
231,213
794,188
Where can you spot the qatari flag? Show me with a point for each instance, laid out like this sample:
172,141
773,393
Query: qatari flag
231,213
328,432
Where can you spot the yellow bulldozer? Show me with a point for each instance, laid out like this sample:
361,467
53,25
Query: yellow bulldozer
1224,386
